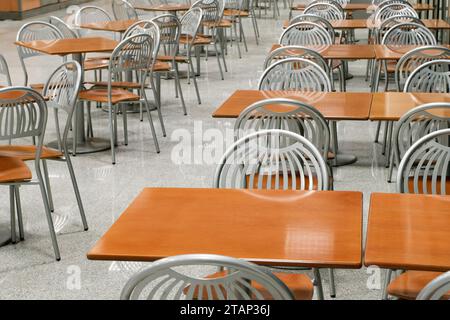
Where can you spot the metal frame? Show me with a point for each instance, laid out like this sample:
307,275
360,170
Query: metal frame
436,289
123,10
4,70
437,73
306,33
165,280
316,19
330,10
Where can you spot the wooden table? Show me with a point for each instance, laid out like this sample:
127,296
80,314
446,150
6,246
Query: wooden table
76,48
341,51
171,7
333,105
112,26
408,231
304,228
434,24
390,106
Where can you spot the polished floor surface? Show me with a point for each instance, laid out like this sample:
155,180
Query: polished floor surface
28,269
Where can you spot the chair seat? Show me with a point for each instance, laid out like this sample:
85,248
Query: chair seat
234,12
161,66
101,95
185,39
300,285
25,152
13,170
170,58
116,84
408,285
37,86
95,64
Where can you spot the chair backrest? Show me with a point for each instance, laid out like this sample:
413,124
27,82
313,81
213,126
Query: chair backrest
210,10
387,24
64,28
415,58
133,54
408,33
394,9
91,14
62,90
316,19
432,76
171,279
417,123
272,159
291,115
4,72
385,3
123,10
436,289
425,166
190,23
296,52
295,74
326,10
306,33
23,113
31,31
169,31
145,27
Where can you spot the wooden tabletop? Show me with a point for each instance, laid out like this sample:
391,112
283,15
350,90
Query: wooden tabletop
393,105
408,231
367,23
171,7
113,26
391,52
367,7
270,227
71,46
341,51
333,105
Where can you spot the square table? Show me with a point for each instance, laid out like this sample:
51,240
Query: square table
76,48
320,229
332,105
341,51
408,231
391,106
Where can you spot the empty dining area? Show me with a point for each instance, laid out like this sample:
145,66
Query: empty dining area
225,150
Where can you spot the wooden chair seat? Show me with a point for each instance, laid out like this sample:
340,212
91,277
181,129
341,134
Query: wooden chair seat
181,59
184,39
408,285
116,84
300,285
95,64
234,13
101,95
13,170
161,66
25,152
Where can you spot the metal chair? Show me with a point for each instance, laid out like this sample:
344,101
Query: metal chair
295,74
32,31
132,55
123,10
415,58
296,52
432,76
384,12
66,31
169,278
316,19
327,10
436,289
4,71
24,115
415,124
387,24
91,14
306,33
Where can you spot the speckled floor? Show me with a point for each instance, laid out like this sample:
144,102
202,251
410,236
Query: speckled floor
28,269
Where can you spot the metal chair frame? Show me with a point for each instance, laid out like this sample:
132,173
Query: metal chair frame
4,70
436,289
123,10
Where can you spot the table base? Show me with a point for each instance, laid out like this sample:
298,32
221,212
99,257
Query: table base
5,235
91,145
343,159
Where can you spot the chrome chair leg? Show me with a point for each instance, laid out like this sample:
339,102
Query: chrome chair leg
377,132
111,127
158,105
19,213
12,210
125,123
150,120
218,59
178,86
47,185
191,67
318,283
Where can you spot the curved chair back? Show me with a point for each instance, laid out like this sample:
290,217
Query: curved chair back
190,23
91,14
169,30
394,9
425,167
296,52
31,31
169,278
384,3
306,33
62,90
64,28
145,27
23,114
408,34
272,159
387,24
436,289
417,123
295,74
292,115
4,72
415,58
326,10
432,76
316,19
123,10
211,11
